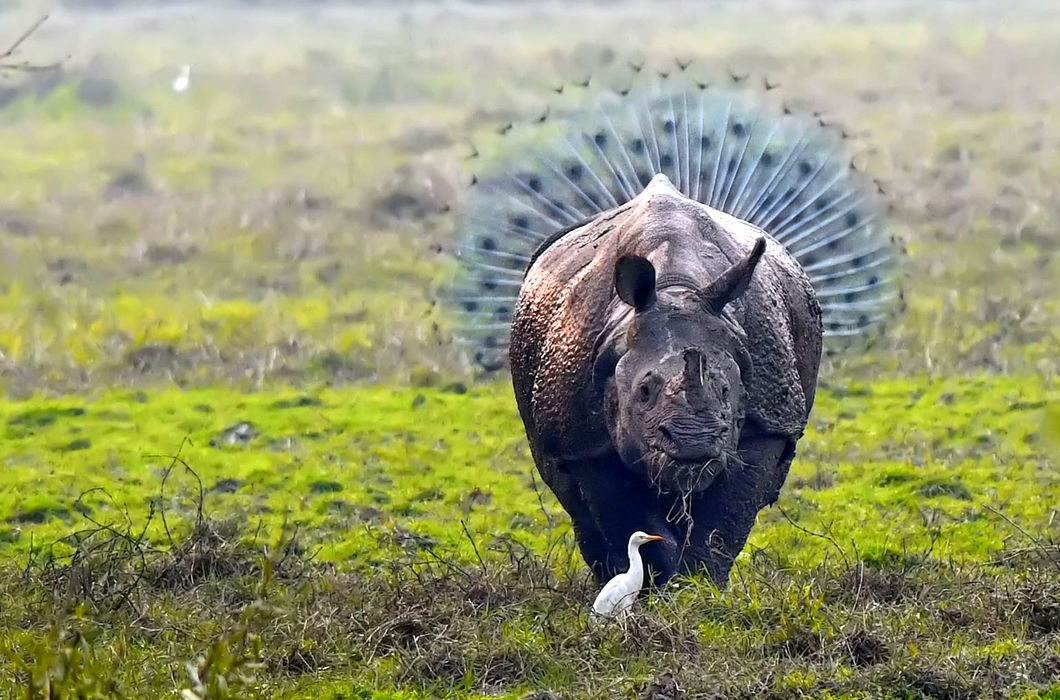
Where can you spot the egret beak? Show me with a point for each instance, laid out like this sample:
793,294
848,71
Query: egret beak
654,538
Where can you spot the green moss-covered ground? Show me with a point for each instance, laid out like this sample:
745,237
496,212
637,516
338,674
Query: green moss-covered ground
886,466
238,444
913,504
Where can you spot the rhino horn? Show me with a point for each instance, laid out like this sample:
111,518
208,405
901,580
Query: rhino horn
733,282
693,369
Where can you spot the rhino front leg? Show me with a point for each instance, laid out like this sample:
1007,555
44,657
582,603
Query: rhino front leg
723,515
619,504
591,542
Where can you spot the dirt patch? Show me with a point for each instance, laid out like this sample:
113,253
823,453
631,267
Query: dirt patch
953,488
325,487
665,687
416,191
152,358
40,514
98,91
17,223
42,417
162,254
865,649
240,433
227,486
422,139
299,402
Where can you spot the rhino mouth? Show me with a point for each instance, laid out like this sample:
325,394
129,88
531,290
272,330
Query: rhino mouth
684,476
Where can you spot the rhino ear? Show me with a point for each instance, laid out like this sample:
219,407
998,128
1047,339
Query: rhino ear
733,282
635,281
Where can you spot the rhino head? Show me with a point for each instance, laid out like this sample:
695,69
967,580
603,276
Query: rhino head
676,404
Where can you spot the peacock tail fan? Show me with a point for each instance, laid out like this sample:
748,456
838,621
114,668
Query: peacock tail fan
723,142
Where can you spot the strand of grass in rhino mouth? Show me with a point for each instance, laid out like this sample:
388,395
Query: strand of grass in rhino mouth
686,515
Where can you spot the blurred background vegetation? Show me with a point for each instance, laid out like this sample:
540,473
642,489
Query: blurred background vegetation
282,218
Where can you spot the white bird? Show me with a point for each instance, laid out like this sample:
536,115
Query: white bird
181,82
618,595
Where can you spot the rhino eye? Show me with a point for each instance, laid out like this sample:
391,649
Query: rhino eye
724,391
646,390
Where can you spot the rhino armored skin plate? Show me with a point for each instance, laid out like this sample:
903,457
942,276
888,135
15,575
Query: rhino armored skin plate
660,273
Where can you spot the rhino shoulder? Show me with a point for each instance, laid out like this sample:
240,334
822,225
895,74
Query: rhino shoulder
782,320
562,308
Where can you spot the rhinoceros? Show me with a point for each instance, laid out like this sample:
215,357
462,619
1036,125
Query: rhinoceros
664,358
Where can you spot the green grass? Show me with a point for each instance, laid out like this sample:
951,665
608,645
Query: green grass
940,497
172,266
894,465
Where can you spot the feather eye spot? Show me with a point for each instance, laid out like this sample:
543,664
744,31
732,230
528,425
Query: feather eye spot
520,222
822,204
669,126
767,160
705,143
575,171
731,166
850,297
490,341
471,305
873,281
863,320
666,160
738,129
852,219
805,167
489,285
534,183
644,177
600,139
637,146
488,244
501,311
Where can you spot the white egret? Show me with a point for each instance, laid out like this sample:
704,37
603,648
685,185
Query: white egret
618,595
181,82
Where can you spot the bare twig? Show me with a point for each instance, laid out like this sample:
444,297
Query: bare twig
540,499
474,546
1041,546
824,536
175,460
26,65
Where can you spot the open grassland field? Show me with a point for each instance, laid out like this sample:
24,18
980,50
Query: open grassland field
237,433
